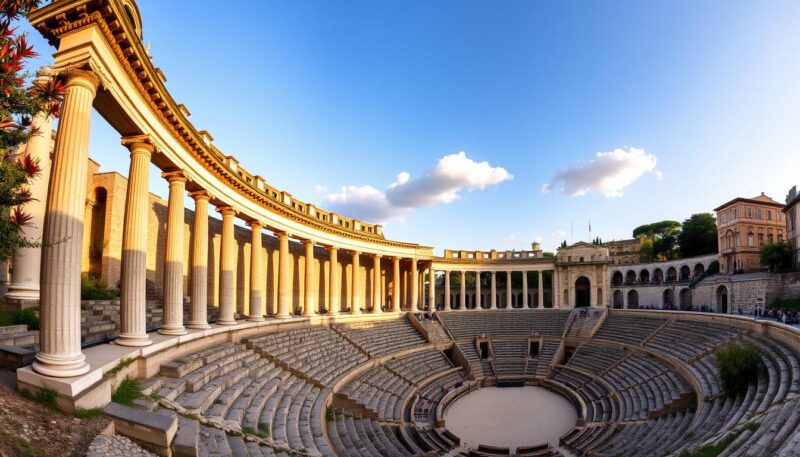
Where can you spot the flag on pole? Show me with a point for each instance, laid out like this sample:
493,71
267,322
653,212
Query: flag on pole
590,226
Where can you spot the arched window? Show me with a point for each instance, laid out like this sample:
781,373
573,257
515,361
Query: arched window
750,238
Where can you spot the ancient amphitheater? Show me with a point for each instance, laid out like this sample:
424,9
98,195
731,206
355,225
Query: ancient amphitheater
326,338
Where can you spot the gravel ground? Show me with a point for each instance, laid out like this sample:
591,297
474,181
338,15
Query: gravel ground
28,428
115,446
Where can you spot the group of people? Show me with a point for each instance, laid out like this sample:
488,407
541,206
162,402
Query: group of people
790,317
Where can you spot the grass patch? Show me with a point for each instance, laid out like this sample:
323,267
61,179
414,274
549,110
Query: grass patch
121,365
252,431
18,446
94,289
264,428
28,316
88,413
714,450
329,415
190,416
127,391
46,397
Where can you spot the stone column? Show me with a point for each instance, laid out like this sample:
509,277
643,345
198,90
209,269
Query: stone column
447,291
463,292
414,275
376,284
24,286
256,273
60,332
524,289
199,270
396,285
540,292
173,256
309,301
431,289
508,290
133,278
355,285
227,289
284,279
333,288
478,297
493,301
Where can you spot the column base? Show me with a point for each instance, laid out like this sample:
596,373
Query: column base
58,367
176,331
283,316
226,322
356,312
255,319
133,340
198,325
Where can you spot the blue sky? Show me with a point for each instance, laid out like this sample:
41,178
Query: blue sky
698,99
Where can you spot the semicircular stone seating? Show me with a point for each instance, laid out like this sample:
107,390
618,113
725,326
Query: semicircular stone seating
642,383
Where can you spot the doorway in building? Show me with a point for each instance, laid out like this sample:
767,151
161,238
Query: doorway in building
582,289
722,299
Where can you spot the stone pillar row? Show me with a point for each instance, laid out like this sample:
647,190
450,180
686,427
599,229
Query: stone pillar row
462,302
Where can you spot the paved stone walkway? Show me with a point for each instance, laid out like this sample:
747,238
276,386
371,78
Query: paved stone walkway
117,445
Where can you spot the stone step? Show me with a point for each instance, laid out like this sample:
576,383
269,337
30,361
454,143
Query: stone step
25,338
187,439
13,329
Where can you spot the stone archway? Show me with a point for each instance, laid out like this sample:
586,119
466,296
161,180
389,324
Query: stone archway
722,299
686,298
668,299
633,299
619,300
583,288
616,278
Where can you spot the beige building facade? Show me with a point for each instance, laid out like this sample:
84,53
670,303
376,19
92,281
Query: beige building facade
792,214
624,252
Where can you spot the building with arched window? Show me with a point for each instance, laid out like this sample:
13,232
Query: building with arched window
743,226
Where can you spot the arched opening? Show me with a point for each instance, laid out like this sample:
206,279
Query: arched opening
686,298
630,277
658,276
633,299
644,277
672,274
699,270
685,273
668,299
619,300
722,299
713,268
583,292
616,279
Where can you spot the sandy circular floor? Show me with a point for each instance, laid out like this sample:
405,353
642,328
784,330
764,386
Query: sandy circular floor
510,417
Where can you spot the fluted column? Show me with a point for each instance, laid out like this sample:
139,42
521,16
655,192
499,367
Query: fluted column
256,274
463,292
493,301
284,279
333,287
396,285
431,289
414,302
60,325
133,279
508,290
173,256
25,277
227,289
309,300
355,285
199,270
376,284
524,289
540,292
447,291
478,297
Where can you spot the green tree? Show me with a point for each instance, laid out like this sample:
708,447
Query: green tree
777,256
698,235
664,238
19,103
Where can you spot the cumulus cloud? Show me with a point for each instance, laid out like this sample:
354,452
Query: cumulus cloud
559,234
440,184
608,173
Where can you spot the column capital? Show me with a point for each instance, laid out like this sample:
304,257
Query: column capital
376,256
281,235
82,77
200,195
139,144
331,248
174,176
306,242
226,210
255,224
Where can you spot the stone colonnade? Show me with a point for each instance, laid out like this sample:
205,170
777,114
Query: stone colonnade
60,344
461,304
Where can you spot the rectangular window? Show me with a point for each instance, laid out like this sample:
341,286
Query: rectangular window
769,215
749,213
758,213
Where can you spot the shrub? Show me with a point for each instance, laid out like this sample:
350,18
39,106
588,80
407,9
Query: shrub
94,289
26,316
88,413
127,391
738,365
46,397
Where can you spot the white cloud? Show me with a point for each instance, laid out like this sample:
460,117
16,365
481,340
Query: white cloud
559,234
608,173
440,184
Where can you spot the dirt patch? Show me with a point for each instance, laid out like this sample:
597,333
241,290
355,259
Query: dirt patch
28,428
